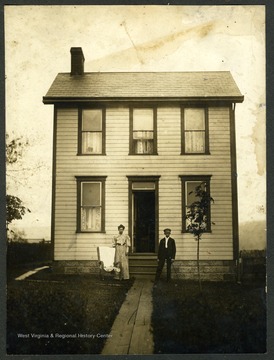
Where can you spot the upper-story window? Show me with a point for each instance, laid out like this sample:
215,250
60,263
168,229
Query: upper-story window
91,132
195,131
143,132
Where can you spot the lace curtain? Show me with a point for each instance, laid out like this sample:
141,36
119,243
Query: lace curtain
91,218
91,142
194,141
143,142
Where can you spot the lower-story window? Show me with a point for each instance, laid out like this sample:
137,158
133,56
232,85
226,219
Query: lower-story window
90,204
189,184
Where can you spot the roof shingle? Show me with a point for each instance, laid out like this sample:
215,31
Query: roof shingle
144,85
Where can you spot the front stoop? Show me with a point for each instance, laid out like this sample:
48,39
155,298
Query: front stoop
143,266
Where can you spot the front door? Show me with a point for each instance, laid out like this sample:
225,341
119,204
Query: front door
143,213
144,221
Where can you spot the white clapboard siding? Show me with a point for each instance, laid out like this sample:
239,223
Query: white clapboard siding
168,164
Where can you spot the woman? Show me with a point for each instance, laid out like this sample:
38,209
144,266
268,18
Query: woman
121,242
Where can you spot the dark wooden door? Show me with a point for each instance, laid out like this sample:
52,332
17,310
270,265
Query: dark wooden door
144,221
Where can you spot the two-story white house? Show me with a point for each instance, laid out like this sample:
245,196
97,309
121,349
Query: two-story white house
128,148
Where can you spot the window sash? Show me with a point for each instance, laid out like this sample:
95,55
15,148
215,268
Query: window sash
91,204
188,184
143,119
194,131
92,120
195,141
143,131
91,132
91,142
91,218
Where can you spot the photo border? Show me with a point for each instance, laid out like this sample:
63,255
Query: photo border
269,5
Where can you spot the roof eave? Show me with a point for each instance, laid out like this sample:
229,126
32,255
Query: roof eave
66,99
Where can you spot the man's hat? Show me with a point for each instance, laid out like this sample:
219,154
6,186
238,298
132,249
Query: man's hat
167,229
121,226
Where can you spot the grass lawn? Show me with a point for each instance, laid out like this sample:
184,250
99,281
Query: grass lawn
225,318
80,308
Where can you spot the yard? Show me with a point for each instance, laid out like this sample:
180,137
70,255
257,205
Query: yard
52,313
225,318
61,314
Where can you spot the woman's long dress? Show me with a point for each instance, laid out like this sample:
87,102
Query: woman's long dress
122,243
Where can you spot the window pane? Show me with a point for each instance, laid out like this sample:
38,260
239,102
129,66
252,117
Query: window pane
190,187
92,120
91,194
143,119
194,119
194,141
91,218
143,147
143,185
91,143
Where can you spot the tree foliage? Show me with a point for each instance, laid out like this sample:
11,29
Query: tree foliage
197,213
15,209
14,148
197,217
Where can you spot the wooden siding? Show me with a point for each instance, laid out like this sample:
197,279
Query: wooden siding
118,164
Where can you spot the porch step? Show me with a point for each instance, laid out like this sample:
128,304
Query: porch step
143,265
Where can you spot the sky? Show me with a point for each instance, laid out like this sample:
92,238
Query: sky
132,38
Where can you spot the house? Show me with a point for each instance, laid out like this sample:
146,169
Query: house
128,148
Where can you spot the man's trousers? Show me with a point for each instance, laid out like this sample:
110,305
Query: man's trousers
160,266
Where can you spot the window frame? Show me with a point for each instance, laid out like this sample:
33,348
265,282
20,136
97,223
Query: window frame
183,131
131,140
200,179
80,131
90,179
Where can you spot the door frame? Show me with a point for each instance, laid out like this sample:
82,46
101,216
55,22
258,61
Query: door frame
149,178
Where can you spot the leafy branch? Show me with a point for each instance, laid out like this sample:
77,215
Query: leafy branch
197,217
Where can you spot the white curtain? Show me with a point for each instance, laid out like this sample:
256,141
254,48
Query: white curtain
91,219
194,141
92,143
143,142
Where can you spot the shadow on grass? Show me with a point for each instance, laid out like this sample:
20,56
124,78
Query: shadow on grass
62,314
225,318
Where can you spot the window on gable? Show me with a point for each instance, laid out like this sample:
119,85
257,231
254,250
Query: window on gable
194,131
143,131
92,132
91,207
189,183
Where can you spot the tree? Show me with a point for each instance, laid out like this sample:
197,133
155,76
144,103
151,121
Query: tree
15,148
197,218
15,209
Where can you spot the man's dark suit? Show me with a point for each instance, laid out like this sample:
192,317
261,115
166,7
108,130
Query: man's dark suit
165,254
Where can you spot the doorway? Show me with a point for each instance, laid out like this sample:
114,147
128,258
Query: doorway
143,213
144,221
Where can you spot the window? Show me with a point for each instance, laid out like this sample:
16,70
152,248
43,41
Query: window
143,134
189,183
91,204
194,131
91,132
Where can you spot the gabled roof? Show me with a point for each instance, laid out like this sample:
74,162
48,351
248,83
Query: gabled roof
124,86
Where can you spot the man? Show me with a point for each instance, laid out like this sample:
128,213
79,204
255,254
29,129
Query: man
166,253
